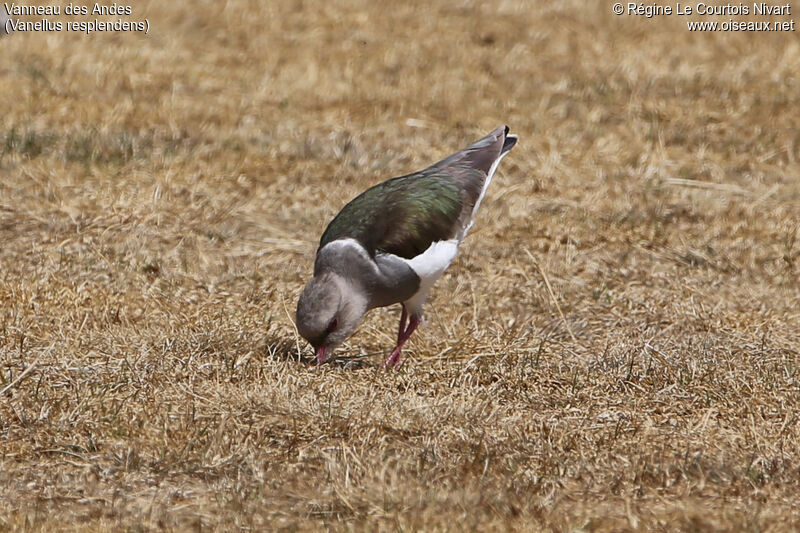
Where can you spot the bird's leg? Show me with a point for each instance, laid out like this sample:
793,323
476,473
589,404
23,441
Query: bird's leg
403,317
394,358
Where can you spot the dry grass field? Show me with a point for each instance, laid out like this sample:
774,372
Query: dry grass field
162,195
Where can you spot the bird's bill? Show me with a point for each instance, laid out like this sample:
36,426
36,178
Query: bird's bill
322,354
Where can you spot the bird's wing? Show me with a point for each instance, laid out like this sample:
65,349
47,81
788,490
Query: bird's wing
401,216
405,215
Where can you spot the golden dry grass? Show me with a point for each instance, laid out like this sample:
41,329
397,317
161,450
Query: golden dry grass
160,201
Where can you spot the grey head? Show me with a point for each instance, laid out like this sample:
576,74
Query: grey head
329,311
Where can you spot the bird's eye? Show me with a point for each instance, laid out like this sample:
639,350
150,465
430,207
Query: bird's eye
331,326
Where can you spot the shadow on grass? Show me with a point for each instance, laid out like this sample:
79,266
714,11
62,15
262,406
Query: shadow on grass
286,349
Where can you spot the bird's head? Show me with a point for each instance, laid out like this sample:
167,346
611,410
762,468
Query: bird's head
328,312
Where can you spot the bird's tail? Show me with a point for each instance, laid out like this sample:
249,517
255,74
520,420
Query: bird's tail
508,143
484,155
481,154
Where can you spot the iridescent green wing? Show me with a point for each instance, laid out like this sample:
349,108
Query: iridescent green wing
404,215
401,216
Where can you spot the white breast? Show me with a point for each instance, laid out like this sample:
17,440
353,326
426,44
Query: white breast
429,266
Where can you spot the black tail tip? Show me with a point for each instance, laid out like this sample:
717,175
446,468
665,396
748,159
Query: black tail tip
509,142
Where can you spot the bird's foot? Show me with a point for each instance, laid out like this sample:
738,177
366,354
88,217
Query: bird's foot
394,359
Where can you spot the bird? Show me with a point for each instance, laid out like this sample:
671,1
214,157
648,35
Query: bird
392,242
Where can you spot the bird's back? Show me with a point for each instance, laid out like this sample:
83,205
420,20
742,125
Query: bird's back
403,216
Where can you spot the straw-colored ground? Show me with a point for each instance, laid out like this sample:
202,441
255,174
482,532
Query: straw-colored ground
161,197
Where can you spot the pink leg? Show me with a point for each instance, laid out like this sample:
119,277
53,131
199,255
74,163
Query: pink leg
403,317
394,358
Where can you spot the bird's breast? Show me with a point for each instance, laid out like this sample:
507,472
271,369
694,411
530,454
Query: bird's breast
397,281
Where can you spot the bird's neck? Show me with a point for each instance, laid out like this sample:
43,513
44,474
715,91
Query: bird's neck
355,299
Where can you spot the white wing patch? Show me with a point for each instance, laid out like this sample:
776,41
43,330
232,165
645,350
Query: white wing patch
429,266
